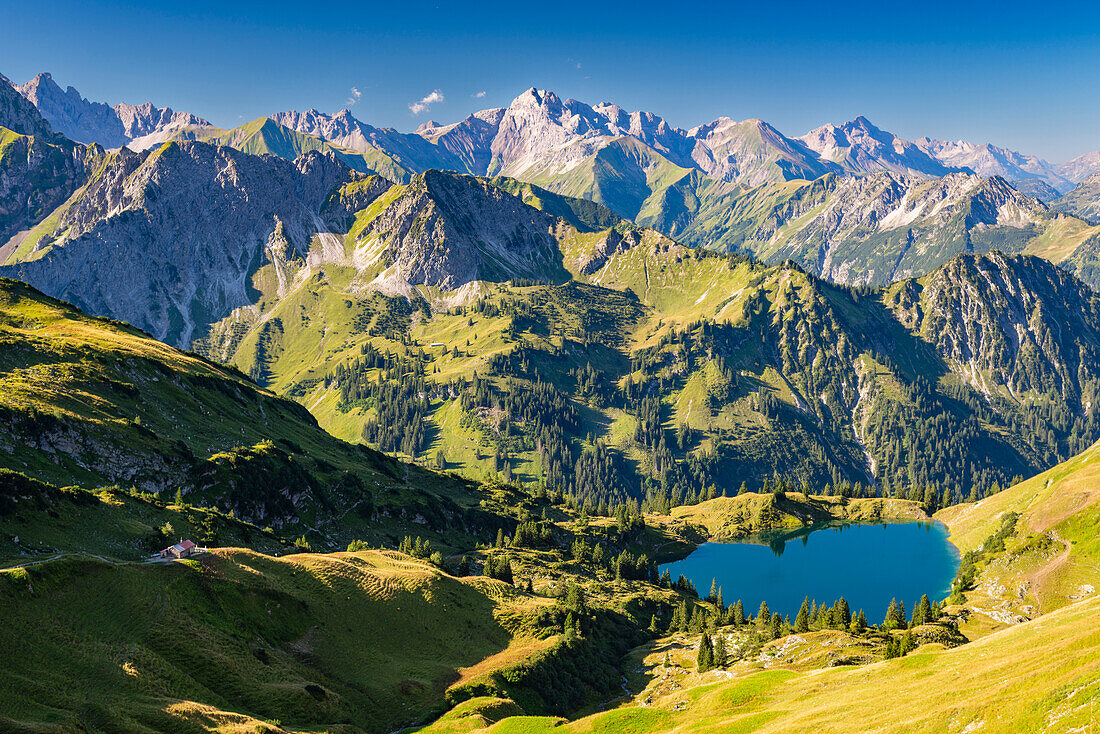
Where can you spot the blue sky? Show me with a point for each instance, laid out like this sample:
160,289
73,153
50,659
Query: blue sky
1023,75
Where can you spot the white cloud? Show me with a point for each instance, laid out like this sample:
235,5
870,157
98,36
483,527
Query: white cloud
353,97
426,103
478,95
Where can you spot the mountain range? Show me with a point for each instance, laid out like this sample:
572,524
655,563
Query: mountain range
850,202
539,130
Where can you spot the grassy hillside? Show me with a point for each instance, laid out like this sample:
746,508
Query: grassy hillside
39,521
92,402
726,518
997,684
1050,556
234,639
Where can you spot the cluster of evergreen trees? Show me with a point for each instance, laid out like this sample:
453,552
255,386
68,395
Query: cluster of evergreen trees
712,653
499,566
689,618
397,388
625,565
532,534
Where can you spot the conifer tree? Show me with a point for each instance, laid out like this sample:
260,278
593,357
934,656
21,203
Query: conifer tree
860,623
705,658
895,616
802,620
698,619
720,656
891,619
923,613
764,615
738,614
908,643
842,614
680,618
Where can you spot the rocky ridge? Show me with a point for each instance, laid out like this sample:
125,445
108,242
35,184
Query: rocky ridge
96,122
198,218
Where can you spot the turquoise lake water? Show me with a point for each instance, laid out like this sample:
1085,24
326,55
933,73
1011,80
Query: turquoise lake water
866,564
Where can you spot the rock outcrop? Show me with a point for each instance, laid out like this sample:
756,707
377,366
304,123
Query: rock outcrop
167,239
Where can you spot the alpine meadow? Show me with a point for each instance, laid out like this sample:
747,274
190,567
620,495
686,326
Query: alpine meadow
560,416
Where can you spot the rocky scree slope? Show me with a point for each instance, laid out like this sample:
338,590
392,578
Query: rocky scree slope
874,229
446,231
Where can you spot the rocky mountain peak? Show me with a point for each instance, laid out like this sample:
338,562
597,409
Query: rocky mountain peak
19,115
858,146
198,218
446,231
96,122
1081,167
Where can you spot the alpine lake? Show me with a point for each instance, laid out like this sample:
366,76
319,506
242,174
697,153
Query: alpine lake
868,565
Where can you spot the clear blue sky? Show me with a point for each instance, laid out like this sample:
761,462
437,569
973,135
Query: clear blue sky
1024,75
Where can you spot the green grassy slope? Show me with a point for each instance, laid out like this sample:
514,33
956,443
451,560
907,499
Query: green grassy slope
368,640
92,402
1052,557
263,136
40,521
1001,683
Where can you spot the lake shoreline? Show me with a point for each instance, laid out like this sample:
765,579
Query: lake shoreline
680,533
868,563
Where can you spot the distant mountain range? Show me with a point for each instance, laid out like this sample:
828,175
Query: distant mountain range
95,122
852,203
539,131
